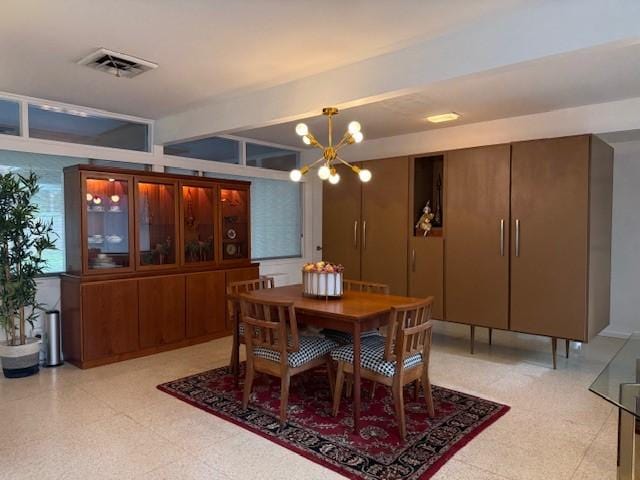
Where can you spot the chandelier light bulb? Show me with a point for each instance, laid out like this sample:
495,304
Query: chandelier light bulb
295,175
115,198
324,172
302,129
357,137
334,178
306,140
89,197
354,127
365,175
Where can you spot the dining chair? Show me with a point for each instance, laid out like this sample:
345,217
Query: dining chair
234,289
344,338
400,358
370,287
274,347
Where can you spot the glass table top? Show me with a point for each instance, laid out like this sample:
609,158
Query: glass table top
619,382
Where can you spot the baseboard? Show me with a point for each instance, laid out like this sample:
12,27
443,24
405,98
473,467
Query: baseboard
614,333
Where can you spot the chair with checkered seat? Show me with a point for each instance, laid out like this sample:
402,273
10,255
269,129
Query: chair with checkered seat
274,347
356,286
234,289
400,358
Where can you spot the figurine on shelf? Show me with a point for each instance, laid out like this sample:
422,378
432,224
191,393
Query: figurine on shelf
162,251
424,223
199,251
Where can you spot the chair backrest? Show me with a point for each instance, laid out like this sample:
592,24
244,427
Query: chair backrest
234,289
269,324
369,287
410,331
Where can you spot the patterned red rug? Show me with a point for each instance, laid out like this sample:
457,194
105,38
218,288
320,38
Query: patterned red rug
377,453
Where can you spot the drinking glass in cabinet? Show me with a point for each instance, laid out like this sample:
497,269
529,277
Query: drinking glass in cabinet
156,223
235,225
198,223
107,210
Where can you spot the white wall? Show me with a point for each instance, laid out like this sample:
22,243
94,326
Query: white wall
601,118
625,261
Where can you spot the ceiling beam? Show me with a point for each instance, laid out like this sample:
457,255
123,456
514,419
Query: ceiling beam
617,116
532,32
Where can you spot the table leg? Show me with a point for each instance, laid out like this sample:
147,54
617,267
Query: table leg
356,378
626,445
627,433
235,350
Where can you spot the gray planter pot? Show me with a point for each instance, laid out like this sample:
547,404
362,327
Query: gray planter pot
20,360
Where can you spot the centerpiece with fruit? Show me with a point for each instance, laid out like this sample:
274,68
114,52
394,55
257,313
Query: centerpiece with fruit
322,280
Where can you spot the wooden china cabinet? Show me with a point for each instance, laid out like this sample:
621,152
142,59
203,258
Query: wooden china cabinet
148,259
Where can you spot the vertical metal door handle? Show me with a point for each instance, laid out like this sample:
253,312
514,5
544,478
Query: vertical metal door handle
355,234
364,234
502,237
517,237
413,260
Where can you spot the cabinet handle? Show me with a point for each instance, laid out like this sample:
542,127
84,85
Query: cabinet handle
502,237
517,237
355,234
364,234
413,260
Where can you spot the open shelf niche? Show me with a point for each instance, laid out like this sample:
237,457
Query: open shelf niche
429,187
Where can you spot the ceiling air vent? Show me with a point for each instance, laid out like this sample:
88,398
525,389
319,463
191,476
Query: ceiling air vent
117,64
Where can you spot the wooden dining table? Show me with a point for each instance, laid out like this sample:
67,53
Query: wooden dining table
354,312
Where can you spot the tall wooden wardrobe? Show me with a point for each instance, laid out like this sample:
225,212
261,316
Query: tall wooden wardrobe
529,236
365,225
524,242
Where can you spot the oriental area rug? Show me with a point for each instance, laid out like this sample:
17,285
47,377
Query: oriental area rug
377,453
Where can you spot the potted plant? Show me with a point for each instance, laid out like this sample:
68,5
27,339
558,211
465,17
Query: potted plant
23,240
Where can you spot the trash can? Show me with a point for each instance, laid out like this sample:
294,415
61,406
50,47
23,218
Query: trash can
52,339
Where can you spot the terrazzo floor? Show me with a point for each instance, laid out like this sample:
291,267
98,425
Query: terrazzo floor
112,423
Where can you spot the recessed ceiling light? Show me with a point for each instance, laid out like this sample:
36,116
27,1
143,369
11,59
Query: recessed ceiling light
445,117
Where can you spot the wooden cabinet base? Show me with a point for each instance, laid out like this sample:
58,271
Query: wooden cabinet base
110,320
147,351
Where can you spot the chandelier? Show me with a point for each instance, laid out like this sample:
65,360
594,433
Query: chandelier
327,170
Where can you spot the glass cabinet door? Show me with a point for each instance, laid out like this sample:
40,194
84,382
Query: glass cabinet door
107,222
156,221
198,219
235,223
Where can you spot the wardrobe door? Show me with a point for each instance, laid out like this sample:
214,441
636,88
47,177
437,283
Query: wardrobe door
341,222
385,209
477,236
426,268
549,207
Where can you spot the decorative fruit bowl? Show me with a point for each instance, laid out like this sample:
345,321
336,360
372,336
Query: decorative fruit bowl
322,280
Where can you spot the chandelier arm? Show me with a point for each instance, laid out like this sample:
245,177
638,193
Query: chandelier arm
314,141
317,144
344,141
307,167
345,162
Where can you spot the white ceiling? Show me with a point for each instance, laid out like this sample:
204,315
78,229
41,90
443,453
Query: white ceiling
206,48
580,78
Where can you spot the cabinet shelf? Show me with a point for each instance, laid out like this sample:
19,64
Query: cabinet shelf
434,232
428,188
